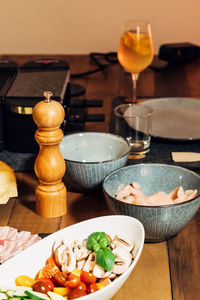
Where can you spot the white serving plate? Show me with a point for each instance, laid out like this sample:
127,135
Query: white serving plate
32,259
175,118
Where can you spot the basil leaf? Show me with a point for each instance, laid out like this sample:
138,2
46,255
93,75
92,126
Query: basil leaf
96,247
96,240
105,259
104,242
91,242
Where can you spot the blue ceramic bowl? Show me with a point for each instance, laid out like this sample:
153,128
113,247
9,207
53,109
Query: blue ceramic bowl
160,222
90,156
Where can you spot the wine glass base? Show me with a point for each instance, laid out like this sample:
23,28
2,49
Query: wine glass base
138,154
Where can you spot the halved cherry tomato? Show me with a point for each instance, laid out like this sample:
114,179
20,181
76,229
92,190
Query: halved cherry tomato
59,279
73,281
92,288
82,286
43,285
76,293
48,271
87,277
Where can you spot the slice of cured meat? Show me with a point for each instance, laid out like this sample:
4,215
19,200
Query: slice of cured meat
13,242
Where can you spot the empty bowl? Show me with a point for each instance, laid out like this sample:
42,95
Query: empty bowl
163,221
90,156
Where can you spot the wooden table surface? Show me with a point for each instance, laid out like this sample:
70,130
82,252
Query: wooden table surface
166,270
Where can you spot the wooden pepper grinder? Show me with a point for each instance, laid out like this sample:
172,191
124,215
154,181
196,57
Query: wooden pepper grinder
51,193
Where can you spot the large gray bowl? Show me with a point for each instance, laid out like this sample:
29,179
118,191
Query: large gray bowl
160,222
90,156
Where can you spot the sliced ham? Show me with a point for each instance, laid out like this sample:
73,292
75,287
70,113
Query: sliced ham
7,232
13,242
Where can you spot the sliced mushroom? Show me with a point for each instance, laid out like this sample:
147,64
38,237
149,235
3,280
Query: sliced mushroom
58,254
80,264
65,258
112,246
57,244
69,260
122,261
122,243
112,275
80,250
90,262
100,272
134,251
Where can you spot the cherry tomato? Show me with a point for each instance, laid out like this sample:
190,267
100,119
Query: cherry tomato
43,285
92,288
87,277
82,286
72,276
59,279
76,293
73,281
76,272
48,271
24,280
62,291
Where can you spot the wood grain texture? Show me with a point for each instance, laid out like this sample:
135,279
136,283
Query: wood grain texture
151,278
184,251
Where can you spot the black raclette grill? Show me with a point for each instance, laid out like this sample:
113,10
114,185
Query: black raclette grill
24,89
27,89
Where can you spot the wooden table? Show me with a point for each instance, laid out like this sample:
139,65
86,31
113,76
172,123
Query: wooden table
166,270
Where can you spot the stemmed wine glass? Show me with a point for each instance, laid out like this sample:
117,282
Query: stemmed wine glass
135,52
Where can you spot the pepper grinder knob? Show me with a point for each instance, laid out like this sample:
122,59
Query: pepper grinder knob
51,193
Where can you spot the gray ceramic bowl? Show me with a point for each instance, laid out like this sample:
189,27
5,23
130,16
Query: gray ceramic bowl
160,222
90,156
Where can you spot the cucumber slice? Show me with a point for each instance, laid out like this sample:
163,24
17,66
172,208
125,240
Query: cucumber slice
10,293
3,289
15,298
36,295
3,296
23,288
55,296
19,294
21,297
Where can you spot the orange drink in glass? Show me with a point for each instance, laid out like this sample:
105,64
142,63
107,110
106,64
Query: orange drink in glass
135,52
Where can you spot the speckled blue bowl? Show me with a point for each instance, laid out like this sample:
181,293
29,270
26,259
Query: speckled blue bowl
90,156
160,222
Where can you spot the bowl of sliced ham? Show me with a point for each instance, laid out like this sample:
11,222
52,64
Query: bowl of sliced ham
164,198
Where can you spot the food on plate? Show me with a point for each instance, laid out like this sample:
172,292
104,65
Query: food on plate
13,242
133,194
8,185
77,268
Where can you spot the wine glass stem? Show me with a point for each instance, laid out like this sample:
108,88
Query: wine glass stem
134,82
